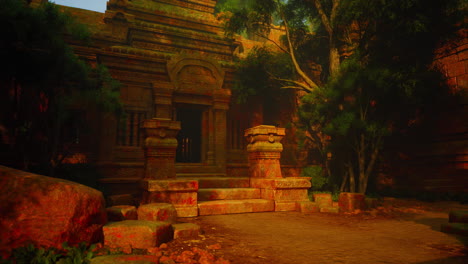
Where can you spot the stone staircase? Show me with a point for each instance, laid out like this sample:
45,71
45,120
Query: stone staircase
228,195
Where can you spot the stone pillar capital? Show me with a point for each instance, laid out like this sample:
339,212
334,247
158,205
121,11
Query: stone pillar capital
264,148
264,138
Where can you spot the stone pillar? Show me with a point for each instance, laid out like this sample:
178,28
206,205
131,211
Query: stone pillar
221,99
160,147
160,184
264,150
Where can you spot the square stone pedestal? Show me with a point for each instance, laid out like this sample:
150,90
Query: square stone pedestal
180,193
286,192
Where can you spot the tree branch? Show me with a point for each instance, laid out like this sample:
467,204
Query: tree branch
274,42
312,85
323,16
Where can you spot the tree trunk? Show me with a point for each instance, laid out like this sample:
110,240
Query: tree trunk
334,59
344,182
352,183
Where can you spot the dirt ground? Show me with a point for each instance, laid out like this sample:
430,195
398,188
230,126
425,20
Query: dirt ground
401,231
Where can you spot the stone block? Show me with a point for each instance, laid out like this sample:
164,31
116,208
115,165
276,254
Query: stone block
121,212
349,202
170,185
307,207
235,206
157,212
186,230
172,197
455,228
329,210
458,216
285,206
125,259
323,199
223,182
228,194
283,183
285,194
139,234
187,211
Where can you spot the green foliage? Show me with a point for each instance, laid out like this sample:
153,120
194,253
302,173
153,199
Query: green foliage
386,81
318,179
43,82
254,74
80,254
32,255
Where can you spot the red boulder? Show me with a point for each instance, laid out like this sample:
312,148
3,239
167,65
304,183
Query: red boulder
47,211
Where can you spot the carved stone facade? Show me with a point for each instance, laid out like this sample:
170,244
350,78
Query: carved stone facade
175,65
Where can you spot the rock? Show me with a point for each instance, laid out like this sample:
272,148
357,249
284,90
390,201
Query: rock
125,259
47,211
121,212
163,246
323,199
186,230
307,207
330,210
214,246
166,260
137,234
187,257
157,212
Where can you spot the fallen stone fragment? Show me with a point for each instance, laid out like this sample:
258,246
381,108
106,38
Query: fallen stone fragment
186,257
121,212
214,246
166,260
330,210
157,212
323,199
186,230
137,234
307,207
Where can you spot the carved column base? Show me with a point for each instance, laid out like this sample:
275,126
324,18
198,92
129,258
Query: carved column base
288,193
180,193
160,148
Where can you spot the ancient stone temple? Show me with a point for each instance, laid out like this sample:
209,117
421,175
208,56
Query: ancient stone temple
176,69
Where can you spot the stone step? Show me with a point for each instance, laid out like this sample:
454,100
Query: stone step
212,194
235,206
198,175
221,182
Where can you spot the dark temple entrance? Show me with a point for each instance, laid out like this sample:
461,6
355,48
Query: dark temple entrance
189,137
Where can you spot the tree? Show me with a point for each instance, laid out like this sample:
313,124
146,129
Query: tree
42,80
379,55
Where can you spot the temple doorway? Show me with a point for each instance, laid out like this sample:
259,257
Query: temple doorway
189,138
